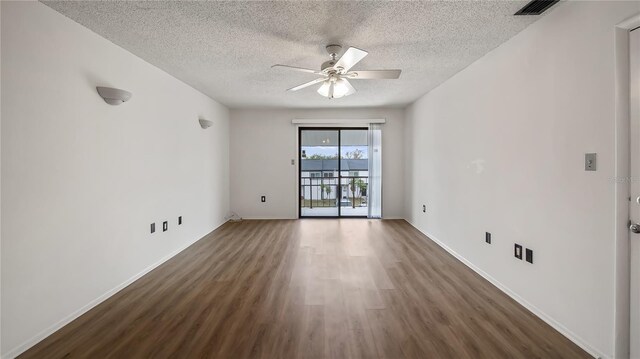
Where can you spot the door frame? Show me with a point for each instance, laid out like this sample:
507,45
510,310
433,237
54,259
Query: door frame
622,187
299,169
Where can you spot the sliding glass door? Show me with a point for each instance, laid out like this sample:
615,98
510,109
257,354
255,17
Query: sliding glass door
334,172
354,172
319,183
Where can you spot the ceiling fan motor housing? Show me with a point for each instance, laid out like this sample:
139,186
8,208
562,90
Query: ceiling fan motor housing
333,50
328,65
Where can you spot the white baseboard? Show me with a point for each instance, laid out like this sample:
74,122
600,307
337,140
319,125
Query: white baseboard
71,317
266,218
539,313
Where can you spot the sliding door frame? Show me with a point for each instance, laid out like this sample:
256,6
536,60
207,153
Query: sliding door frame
322,128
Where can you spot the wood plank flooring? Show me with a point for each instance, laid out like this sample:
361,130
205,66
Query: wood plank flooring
347,288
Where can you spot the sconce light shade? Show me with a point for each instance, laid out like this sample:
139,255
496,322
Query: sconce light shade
205,123
113,96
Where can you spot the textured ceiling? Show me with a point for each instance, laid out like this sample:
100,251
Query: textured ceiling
225,49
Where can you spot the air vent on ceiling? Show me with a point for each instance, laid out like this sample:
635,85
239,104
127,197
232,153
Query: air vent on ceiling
536,7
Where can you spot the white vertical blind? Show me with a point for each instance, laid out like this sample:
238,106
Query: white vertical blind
375,171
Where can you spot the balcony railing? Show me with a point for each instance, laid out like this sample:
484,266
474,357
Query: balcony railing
345,191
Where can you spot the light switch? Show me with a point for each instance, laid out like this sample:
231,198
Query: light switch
590,161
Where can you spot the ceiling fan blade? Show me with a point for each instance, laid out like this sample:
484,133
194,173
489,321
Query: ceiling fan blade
374,74
351,57
307,84
301,69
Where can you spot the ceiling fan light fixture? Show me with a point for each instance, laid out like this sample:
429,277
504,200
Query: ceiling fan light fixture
324,89
340,88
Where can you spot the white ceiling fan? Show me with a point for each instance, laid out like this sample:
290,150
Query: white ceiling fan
335,73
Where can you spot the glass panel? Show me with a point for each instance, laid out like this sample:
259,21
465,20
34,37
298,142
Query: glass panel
375,171
319,173
354,172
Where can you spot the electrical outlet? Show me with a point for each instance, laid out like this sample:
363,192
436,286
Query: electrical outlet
165,226
424,208
179,220
153,227
529,255
517,251
487,237
263,199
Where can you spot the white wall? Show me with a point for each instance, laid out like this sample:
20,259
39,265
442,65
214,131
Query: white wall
263,143
500,148
82,180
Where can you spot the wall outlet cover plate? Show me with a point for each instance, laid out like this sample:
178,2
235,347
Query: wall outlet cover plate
590,161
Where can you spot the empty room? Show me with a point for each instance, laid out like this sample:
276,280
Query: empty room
320,179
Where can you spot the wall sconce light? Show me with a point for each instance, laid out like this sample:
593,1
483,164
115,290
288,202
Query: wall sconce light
205,123
113,96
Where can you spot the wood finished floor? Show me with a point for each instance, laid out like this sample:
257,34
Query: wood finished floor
346,288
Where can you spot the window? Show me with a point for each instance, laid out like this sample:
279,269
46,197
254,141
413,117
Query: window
315,174
327,174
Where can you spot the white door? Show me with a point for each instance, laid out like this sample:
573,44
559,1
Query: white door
634,244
